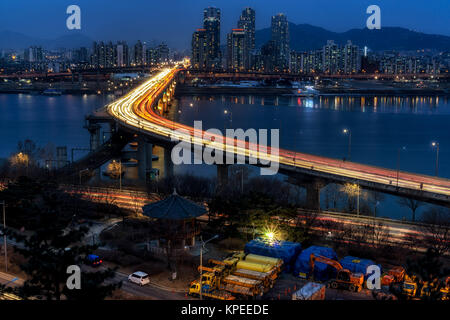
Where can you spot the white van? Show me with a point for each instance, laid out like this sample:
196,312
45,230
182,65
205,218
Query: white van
139,277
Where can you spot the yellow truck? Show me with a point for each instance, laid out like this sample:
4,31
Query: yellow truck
409,286
194,290
215,286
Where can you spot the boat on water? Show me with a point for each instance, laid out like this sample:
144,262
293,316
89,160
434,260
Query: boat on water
52,92
306,91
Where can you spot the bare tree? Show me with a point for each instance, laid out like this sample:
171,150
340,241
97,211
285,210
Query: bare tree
412,204
374,199
436,230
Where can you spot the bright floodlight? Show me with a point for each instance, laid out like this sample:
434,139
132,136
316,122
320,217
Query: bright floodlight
270,235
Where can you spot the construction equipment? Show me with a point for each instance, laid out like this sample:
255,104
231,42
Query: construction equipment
393,276
344,278
194,290
266,273
409,286
445,290
216,284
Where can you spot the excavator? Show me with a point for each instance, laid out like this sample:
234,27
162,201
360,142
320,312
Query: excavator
344,278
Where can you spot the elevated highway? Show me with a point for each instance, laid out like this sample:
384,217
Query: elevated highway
140,112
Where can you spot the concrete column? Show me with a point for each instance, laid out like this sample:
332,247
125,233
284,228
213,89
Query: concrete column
313,194
149,154
222,175
168,164
94,130
142,158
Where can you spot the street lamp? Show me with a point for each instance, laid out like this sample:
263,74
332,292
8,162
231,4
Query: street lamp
436,145
226,112
4,235
347,131
203,243
398,162
120,174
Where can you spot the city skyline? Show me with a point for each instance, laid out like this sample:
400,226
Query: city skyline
50,23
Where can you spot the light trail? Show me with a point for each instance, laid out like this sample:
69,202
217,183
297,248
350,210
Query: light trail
135,110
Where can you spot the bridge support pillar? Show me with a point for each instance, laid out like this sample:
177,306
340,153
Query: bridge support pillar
168,164
313,186
222,175
94,131
313,194
144,155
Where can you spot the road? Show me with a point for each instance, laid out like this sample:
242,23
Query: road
135,111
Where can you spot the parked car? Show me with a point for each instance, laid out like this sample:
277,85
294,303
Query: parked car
139,277
93,260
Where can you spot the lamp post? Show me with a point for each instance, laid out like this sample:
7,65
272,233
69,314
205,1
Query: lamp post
357,201
120,174
436,145
4,235
201,262
398,162
347,131
226,112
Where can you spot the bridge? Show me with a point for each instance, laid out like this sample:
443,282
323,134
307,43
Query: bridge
139,114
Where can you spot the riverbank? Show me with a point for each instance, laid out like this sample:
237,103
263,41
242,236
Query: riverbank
182,89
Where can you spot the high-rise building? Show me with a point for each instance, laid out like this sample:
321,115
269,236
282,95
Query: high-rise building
110,55
34,54
163,52
199,49
247,22
138,58
122,54
98,55
280,37
268,56
331,58
351,58
236,44
211,24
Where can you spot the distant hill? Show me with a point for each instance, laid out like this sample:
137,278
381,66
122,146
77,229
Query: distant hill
307,37
15,40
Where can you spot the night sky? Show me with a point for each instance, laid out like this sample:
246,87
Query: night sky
174,21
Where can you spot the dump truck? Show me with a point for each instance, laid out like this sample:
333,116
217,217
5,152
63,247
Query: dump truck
310,291
233,284
344,278
219,278
445,290
393,276
409,286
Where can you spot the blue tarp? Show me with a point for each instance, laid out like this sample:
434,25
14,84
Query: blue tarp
357,265
322,271
284,250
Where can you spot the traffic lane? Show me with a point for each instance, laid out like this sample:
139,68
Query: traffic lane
7,278
148,291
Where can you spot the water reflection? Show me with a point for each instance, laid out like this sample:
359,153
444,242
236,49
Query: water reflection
376,104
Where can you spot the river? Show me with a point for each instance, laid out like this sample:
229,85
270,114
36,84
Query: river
380,126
